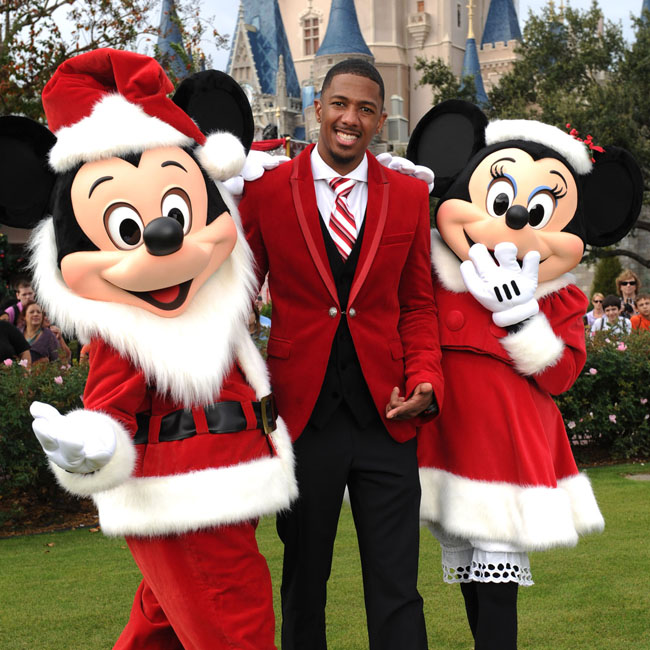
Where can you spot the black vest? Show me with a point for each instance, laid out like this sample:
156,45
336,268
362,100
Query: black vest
344,381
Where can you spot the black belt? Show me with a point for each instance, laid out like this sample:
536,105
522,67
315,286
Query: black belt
221,417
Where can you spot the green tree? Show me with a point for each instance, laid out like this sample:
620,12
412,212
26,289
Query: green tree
37,35
577,69
607,270
444,85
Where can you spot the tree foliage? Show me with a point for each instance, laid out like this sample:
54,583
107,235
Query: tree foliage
444,85
36,36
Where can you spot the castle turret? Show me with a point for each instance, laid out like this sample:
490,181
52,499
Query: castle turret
171,51
471,66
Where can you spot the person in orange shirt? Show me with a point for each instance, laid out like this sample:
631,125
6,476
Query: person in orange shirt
641,321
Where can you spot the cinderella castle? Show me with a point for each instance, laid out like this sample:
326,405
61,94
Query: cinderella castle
281,50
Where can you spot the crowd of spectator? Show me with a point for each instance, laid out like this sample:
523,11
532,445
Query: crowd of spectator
26,334
623,313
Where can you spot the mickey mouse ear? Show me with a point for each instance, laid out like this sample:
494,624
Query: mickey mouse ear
26,180
612,196
217,103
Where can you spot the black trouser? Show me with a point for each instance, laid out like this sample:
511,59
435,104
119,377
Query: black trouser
383,482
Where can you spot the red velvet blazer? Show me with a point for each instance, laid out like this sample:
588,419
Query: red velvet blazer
392,316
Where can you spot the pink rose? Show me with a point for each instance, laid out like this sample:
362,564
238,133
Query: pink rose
592,371
58,380
612,418
24,363
644,400
8,363
621,346
571,425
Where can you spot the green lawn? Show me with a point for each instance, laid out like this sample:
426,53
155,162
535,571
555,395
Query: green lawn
73,590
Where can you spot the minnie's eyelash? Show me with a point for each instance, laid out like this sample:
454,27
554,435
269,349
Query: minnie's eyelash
557,192
497,172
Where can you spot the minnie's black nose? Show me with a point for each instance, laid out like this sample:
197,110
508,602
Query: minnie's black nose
163,236
516,217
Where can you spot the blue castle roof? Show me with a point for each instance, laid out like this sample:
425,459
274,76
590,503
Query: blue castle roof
268,42
471,67
170,36
343,35
645,6
501,24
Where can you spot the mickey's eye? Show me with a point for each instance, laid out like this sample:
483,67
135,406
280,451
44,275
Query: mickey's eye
540,208
124,226
176,204
500,197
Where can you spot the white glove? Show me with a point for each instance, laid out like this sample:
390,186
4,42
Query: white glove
405,166
257,162
507,290
70,447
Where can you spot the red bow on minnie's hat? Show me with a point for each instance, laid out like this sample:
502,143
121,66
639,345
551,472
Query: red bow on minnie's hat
109,102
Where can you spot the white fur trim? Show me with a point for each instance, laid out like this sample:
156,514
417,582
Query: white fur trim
446,265
534,347
212,497
574,151
166,349
222,156
532,518
114,127
118,469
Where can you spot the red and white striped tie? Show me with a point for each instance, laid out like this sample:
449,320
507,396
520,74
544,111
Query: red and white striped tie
342,224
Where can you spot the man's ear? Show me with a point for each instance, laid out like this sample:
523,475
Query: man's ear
611,196
26,180
446,138
216,102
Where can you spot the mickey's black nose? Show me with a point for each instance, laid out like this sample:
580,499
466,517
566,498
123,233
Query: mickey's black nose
516,217
163,236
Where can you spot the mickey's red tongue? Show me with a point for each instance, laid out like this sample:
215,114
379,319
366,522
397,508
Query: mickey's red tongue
167,295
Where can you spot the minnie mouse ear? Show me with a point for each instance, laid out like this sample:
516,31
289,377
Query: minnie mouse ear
612,195
25,178
216,102
446,138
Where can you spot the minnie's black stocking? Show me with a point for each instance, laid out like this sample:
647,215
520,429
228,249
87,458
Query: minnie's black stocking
492,614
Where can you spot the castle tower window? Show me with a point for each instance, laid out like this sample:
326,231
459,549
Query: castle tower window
311,40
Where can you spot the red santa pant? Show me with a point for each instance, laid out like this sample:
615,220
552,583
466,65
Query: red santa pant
208,590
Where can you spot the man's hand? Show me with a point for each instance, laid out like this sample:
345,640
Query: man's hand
399,408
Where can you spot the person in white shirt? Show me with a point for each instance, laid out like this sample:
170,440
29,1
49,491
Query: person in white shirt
612,321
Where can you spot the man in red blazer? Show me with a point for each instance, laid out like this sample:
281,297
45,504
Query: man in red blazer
353,355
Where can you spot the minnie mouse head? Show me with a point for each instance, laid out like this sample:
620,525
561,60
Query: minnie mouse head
524,182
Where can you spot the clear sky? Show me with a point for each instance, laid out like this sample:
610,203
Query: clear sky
225,14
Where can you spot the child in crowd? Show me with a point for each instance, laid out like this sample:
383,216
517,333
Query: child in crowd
641,321
613,321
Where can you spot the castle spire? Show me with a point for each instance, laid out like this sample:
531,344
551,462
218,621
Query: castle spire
501,24
170,41
343,35
471,65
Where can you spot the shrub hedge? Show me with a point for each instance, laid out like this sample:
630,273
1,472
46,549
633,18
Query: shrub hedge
607,411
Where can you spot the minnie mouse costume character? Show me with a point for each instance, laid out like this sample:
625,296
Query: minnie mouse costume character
519,199
143,257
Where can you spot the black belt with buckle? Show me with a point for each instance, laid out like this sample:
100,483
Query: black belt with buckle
221,417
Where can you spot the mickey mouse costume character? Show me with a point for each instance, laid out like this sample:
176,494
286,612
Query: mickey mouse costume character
143,256
519,199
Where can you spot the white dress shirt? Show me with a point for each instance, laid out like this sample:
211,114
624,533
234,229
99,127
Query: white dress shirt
325,197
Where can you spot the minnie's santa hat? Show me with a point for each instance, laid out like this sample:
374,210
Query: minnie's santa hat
109,103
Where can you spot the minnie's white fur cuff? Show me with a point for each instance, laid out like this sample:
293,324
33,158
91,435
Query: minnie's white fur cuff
534,347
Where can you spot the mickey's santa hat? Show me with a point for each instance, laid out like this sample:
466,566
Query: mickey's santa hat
109,103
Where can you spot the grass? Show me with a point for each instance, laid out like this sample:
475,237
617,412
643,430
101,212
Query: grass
73,590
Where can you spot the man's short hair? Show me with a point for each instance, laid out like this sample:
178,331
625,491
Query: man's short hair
612,301
641,296
359,67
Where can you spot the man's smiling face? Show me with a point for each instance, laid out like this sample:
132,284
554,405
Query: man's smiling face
350,112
